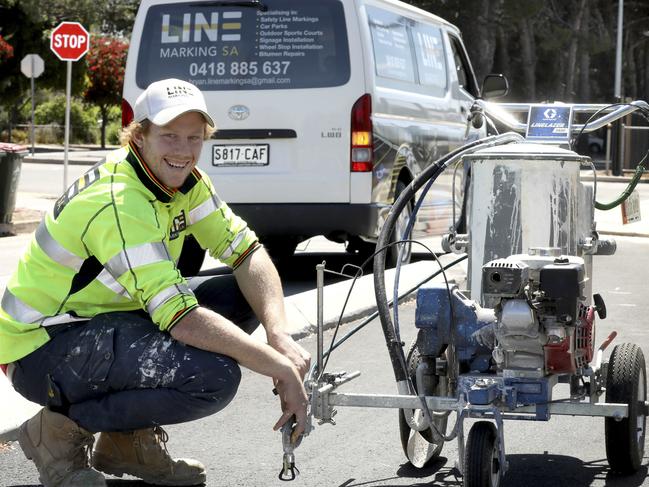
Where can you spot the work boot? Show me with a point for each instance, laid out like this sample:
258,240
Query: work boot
60,449
143,454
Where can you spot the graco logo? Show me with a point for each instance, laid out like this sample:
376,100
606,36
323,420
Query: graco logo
550,113
238,112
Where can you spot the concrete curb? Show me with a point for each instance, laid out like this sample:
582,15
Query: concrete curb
24,226
77,155
613,179
14,410
28,226
74,162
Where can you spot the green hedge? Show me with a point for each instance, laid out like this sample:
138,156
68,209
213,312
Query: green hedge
84,119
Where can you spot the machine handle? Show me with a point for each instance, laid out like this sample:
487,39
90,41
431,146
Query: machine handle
504,113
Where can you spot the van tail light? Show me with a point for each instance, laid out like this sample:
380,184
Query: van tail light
362,155
127,113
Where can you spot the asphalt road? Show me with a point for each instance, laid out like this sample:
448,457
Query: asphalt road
363,449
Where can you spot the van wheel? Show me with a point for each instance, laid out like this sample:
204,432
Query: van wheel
191,257
392,256
358,246
280,248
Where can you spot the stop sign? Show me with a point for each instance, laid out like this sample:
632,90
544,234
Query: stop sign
69,41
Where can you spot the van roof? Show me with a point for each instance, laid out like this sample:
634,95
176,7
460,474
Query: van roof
395,3
419,11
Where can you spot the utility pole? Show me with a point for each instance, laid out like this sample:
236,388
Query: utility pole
619,98
618,52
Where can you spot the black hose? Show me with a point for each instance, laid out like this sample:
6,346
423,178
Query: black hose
395,347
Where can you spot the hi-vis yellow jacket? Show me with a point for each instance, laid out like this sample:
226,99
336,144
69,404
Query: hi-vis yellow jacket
111,244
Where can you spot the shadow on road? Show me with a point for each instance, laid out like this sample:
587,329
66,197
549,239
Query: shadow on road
435,474
109,483
548,470
540,470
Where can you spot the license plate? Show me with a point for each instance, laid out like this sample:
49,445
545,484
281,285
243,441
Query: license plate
240,154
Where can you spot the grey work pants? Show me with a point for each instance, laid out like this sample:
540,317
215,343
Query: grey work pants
119,372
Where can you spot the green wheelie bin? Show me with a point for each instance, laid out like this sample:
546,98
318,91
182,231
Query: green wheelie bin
11,157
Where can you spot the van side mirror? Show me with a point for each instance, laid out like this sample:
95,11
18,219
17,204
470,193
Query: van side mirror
494,86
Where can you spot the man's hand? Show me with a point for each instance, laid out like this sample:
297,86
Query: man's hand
294,402
284,344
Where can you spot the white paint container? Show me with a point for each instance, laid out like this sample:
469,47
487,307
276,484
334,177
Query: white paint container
523,196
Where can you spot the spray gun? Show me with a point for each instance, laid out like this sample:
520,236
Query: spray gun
289,470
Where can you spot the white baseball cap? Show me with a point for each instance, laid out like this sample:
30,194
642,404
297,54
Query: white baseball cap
167,99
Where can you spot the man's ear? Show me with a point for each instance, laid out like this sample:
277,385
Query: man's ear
138,138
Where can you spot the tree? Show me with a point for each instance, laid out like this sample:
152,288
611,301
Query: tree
106,61
6,50
27,25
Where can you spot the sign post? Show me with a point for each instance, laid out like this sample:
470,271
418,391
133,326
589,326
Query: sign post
32,66
70,42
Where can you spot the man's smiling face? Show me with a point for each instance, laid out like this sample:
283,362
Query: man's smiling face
171,151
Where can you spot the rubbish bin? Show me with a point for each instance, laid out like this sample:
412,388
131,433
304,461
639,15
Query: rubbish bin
11,157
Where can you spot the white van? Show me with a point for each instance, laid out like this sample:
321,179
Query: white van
325,109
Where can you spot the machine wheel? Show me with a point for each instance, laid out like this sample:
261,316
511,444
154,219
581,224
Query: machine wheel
626,382
420,447
481,459
401,224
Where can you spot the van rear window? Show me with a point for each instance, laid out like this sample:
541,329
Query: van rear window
293,44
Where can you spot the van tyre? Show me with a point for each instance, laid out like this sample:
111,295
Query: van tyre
361,248
626,382
392,256
481,459
280,248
